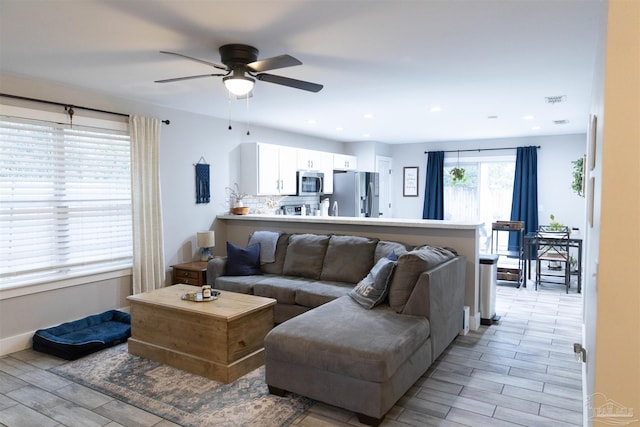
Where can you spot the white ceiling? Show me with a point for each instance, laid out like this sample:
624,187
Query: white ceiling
393,59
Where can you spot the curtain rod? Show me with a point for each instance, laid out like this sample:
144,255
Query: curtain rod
66,106
480,149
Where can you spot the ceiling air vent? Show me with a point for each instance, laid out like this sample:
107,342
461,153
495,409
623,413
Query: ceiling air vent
555,99
561,122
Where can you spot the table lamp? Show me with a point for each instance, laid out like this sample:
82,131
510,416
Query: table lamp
206,241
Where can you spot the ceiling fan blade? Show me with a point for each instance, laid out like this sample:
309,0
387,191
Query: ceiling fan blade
286,81
177,79
202,61
273,63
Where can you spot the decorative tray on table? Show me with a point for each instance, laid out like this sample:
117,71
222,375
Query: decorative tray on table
197,296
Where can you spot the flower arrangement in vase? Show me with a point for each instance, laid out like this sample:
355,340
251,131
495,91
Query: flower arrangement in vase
237,197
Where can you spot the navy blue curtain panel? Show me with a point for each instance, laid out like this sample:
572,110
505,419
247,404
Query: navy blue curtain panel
203,193
524,205
434,186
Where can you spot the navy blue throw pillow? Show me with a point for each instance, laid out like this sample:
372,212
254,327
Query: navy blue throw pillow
243,261
392,256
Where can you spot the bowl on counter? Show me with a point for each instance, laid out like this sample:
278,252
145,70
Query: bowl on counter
240,211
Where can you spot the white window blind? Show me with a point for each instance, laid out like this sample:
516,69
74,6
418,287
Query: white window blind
65,201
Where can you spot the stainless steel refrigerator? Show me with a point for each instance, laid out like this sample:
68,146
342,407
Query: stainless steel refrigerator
357,194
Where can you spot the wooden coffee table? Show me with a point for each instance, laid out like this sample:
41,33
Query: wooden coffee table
221,339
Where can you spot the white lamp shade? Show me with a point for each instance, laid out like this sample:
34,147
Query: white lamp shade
206,239
238,85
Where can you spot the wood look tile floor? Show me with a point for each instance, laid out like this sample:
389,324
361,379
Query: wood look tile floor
518,372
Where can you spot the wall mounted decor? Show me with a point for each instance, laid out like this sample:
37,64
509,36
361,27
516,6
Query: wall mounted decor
410,181
203,189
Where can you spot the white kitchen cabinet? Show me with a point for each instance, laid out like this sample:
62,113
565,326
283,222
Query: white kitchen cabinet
319,161
344,162
312,160
268,169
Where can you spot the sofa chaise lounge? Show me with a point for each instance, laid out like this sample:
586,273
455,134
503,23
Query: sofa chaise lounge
360,320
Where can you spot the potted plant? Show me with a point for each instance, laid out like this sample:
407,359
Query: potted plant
574,264
457,175
577,185
554,225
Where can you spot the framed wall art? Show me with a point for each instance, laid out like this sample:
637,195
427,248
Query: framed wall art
410,181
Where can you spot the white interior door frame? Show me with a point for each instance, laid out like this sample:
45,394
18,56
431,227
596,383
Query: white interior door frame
384,168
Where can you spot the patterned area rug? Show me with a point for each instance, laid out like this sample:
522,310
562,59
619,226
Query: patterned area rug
182,397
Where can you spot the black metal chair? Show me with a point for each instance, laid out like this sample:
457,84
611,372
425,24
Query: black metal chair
553,246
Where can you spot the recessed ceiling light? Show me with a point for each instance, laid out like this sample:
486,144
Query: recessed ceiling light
368,116
535,128
435,109
312,121
339,129
492,117
365,135
528,117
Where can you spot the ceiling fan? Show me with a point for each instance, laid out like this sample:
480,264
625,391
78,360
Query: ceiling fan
241,68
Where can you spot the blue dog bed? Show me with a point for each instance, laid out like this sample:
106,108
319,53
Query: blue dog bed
75,339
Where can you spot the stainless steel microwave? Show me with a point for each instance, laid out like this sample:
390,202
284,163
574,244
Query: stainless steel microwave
309,183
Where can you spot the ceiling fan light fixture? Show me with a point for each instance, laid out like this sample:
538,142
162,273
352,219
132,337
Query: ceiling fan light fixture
238,85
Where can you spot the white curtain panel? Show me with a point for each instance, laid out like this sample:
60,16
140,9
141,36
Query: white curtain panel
148,244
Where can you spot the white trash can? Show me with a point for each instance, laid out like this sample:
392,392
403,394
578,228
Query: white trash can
488,280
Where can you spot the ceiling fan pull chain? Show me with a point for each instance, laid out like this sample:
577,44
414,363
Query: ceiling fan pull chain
247,121
229,108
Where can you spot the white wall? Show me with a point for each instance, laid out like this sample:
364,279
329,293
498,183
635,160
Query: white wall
366,152
554,173
21,316
188,138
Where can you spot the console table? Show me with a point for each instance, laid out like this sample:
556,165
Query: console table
530,243
191,273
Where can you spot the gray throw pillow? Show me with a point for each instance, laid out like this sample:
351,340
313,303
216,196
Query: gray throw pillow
281,251
348,258
410,266
373,289
305,254
385,247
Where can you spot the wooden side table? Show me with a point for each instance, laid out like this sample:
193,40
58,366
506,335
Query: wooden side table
191,273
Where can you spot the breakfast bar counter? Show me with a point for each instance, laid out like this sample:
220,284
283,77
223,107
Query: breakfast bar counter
461,236
381,222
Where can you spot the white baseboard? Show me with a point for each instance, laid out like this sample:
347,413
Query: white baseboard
474,322
15,343
24,341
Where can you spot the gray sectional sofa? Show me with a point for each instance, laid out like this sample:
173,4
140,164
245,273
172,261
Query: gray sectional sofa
359,319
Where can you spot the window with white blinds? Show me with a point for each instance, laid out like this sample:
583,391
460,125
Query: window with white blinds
65,201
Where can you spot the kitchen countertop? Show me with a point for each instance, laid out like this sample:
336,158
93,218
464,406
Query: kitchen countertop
392,222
